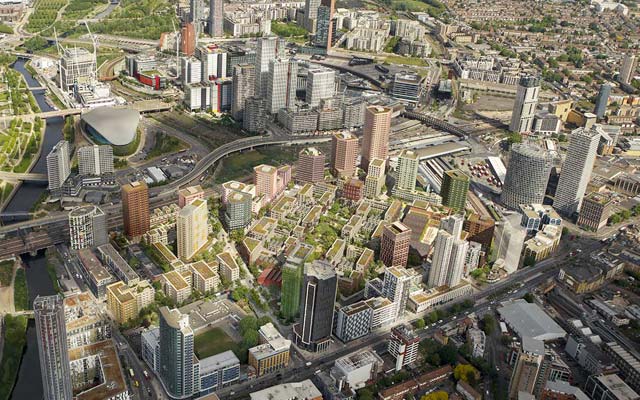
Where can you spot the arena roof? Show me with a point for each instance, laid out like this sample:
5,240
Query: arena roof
528,319
117,125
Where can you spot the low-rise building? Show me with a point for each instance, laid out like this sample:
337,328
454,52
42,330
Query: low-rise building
205,277
595,211
176,286
273,352
229,268
289,391
124,302
353,321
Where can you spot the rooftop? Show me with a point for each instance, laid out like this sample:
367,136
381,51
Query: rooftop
617,387
203,269
176,280
528,319
117,125
218,361
289,391
112,382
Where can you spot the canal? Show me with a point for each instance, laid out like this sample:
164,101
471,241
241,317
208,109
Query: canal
29,192
29,382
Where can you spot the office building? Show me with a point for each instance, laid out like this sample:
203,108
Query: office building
215,372
627,69
407,170
255,115
602,100
289,391
344,154
627,363
58,165
394,244
265,53
95,160
395,287
375,140
272,354
237,213
52,347
536,216
355,371
317,300
76,64
508,241
192,228
609,387
596,210
310,166
135,208
375,179
244,82
321,84
527,367
527,175
454,189
353,321
176,353
125,302
216,18
576,170
403,346
524,109
188,38
189,194
281,84
311,14
87,227
292,277
408,87
324,24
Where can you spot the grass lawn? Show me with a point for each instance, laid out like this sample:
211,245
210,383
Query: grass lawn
14,341
239,165
6,272
20,291
405,60
214,342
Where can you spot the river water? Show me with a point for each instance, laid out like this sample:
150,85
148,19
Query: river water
30,192
29,382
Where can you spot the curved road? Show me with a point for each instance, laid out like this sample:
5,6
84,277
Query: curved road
205,163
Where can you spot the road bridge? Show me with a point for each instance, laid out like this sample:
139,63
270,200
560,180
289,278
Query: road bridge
34,235
142,106
25,177
437,123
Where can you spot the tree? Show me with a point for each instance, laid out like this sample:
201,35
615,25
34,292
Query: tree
250,339
420,324
448,354
365,394
237,235
529,261
528,298
439,395
465,372
488,324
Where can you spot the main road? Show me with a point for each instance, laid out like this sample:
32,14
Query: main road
527,278
161,193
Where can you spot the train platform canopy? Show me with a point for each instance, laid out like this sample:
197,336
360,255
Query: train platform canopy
440,150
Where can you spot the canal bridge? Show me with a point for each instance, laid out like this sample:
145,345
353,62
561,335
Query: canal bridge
25,177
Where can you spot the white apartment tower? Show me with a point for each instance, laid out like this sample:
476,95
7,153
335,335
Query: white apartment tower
95,160
281,84
524,109
311,14
265,52
527,175
449,254
320,85
87,227
395,287
407,170
576,170
191,69
192,228
626,71
58,166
